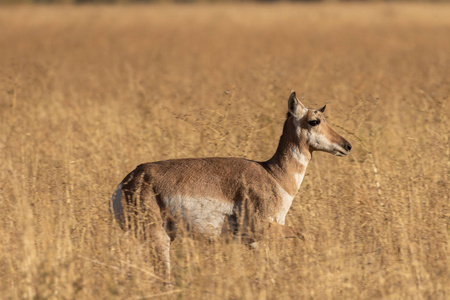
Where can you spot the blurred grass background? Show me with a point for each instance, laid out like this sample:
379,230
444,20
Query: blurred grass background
200,1
89,92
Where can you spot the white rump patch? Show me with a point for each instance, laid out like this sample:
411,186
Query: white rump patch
115,206
206,215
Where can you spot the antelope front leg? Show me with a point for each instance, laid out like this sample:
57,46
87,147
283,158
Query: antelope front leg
277,230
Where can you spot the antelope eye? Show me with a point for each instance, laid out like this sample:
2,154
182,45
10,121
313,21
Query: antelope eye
314,122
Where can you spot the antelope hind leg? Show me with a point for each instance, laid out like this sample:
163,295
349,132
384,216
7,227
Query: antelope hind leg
161,241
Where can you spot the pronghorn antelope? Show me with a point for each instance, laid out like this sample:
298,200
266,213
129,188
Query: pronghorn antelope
213,195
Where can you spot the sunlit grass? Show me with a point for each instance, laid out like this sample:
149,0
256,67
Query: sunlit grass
87,93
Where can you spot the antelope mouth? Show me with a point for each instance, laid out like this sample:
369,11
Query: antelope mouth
340,153
342,150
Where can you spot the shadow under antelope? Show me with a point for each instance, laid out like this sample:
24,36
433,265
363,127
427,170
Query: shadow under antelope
213,195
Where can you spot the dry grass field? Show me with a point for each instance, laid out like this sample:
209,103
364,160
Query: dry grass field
89,92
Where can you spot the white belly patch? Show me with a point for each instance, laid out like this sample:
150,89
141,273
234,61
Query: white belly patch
206,215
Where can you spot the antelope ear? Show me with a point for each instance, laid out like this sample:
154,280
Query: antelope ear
322,109
295,107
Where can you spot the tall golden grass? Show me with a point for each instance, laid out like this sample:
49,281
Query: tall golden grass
87,93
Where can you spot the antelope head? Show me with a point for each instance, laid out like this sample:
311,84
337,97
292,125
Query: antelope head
312,127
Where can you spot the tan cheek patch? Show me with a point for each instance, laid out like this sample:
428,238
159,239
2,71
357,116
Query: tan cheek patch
330,134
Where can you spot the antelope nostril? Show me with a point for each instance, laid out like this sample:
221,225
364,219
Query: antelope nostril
348,147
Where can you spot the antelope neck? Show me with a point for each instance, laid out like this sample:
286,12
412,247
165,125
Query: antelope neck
288,164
